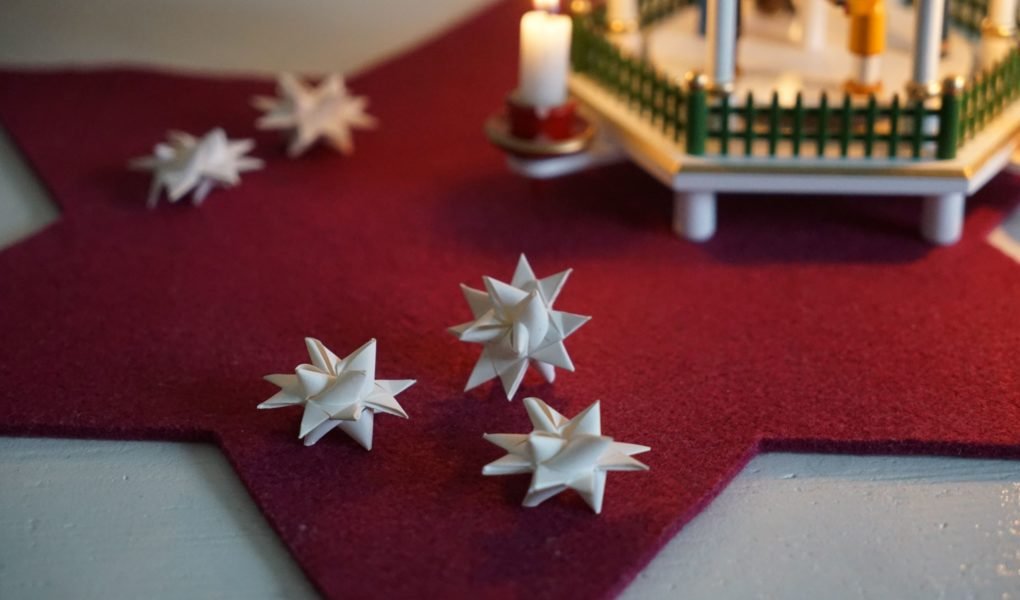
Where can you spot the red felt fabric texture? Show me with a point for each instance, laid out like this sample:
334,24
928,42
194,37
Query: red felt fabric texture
805,324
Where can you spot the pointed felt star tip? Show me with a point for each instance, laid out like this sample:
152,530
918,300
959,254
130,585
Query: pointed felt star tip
492,469
470,385
334,79
561,277
308,426
243,145
512,377
397,410
634,464
370,343
407,384
588,420
316,351
577,321
631,449
476,381
534,405
264,103
289,83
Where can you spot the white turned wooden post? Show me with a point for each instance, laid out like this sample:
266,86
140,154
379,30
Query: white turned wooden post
624,20
869,69
997,32
927,52
694,215
928,16
1002,14
815,24
622,14
942,218
721,29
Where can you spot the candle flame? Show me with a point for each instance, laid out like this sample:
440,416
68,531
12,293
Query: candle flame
547,5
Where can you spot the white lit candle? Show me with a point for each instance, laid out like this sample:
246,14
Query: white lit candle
545,57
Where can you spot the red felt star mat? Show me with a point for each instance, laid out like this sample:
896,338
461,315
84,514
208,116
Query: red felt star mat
820,324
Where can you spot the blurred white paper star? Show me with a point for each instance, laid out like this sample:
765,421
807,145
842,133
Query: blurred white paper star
563,454
186,164
338,392
516,324
327,112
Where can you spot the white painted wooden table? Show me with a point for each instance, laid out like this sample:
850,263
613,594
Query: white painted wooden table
89,519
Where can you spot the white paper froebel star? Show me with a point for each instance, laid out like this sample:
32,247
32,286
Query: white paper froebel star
516,325
186,164
563,454
327,112
338,392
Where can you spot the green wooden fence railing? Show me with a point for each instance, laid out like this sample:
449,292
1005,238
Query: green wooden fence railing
845,128
705,124
988,94
650,92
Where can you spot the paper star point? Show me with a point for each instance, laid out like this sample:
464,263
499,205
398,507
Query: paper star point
563,454
337,392
326,112
185,164
516,325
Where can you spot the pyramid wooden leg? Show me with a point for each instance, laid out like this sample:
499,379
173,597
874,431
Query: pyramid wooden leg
694,215
942,218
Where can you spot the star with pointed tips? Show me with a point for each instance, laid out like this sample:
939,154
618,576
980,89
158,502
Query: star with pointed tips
310,113
337,392
186,164
517,326
563,454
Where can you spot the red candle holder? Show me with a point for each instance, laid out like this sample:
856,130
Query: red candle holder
530,132
530,123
